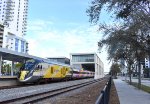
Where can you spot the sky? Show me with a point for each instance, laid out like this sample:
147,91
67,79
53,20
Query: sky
57,28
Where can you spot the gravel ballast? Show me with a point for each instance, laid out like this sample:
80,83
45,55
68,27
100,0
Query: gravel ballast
7,94
85,95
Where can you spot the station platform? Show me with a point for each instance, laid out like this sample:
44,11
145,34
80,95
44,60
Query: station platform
129,94
8,77
8,81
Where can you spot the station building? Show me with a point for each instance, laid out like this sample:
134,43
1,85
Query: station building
88,61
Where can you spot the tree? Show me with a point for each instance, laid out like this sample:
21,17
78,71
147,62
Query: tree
121,8
120,47
115,68
146,72
134,15
123,44
132,32
6,69
17,67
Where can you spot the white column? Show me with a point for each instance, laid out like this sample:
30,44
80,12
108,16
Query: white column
98,70
1,59
95,77
12,68
24,60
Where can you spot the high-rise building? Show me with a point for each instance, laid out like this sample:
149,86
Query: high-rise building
11,41
1,34
147,63
13,15
13,21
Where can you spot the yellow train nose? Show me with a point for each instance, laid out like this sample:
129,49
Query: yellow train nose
23,74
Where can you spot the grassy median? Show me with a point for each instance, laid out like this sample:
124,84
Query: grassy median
143,87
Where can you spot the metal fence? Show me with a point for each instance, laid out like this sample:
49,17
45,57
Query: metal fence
104,96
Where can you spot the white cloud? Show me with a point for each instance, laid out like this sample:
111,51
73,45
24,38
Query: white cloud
51,43
38,25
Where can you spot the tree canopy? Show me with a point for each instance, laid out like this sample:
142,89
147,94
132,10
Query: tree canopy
115,68
130,40
132,32
121,8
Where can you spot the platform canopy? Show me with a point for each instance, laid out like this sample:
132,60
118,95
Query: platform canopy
15,56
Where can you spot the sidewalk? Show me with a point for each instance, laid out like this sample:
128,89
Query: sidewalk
129,94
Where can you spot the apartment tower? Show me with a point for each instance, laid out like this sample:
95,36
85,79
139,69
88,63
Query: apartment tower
13,15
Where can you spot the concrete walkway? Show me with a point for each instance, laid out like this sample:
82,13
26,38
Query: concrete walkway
129,94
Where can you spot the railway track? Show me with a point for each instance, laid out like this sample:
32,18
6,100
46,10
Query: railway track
44,95
32,84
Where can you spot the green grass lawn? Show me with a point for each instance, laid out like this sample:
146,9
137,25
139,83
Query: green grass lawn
143,87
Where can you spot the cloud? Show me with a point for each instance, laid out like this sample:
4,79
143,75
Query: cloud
74,40
38,25
54,43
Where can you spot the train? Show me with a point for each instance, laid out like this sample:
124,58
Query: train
36,70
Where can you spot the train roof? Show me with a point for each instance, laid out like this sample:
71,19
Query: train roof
52,62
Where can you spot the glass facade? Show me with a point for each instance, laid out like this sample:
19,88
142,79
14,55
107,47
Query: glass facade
83,58
16,44
22,46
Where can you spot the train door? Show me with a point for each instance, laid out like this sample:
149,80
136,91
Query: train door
47,71
63,71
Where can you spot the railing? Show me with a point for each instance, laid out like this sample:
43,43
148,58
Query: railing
104,96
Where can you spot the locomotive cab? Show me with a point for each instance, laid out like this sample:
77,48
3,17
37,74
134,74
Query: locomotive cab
27,69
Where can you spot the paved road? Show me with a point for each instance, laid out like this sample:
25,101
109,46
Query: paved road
129,94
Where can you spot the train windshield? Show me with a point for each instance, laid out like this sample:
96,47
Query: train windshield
29,64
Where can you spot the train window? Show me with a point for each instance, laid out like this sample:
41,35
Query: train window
41,66
66,69
37,67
